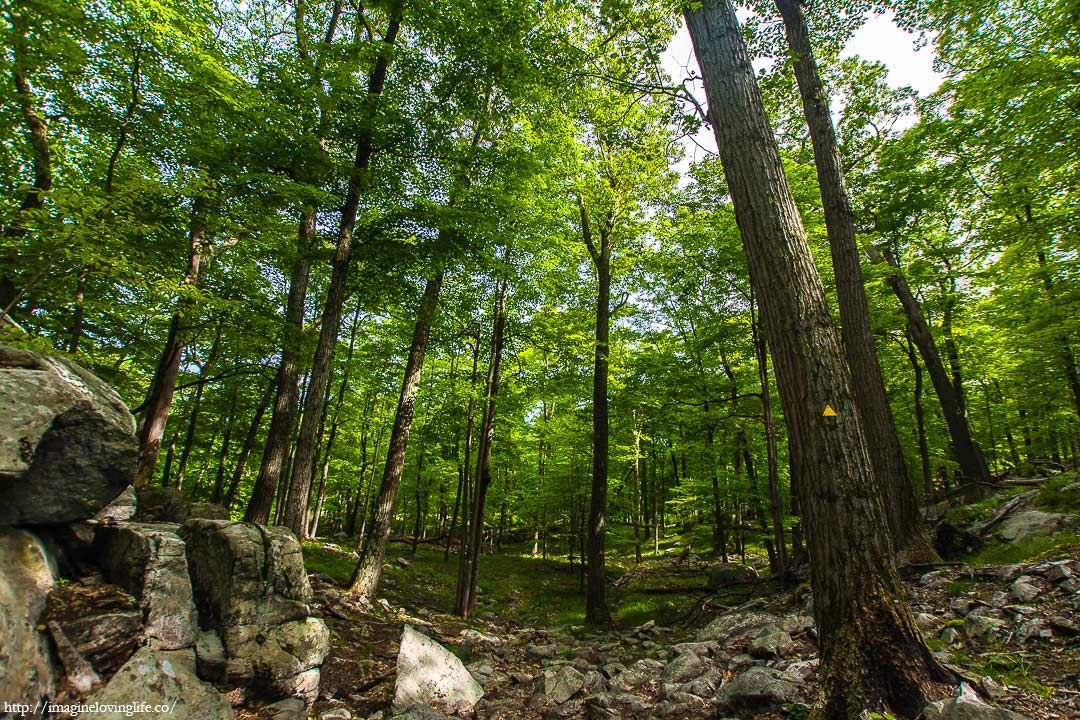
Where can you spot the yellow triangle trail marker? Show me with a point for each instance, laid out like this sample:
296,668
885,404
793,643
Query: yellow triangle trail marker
829,412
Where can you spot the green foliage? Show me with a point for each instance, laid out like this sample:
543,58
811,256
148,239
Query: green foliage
1046,547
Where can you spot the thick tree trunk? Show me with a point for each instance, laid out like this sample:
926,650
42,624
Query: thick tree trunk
879,428
155,408
296,511
872,652
466,595
283,418
365,578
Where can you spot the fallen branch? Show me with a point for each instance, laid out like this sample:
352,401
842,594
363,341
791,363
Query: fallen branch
1004,511
377,680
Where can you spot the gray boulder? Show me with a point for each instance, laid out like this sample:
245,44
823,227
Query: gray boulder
67,441
163,677
560,684
1025,588
684,668
102,622
149,561
983,629
758,687
729,574
168,504
770,643
26,575
967,706
733,627
429,674
251,588
1026,524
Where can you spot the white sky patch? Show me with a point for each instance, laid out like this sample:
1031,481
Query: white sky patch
879,39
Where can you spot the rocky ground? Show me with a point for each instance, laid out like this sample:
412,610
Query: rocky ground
1009,627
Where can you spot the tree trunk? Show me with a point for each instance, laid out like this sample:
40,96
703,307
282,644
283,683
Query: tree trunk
596,609
283,419
226,440
920,422
775,501
365,578
155,412
462,498
296,510
872,652
901,507
968,454
466,595
249,443
37,132
196,407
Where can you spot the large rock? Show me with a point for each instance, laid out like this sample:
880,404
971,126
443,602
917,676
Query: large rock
67,441
429,674
168,504
1026,524
26,575
102,622
770,643
149,561
165,680
758,687
730,574
967,706
251,588
736,626
561,683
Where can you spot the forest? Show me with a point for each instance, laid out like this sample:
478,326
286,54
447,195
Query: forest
443,275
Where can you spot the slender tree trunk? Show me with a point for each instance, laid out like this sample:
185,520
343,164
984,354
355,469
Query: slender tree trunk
920,422
466,595
283,419
462,499
196,407
365,578
169,454
249,443
296,511
226,440
37,133
872,652
75,332
879,428
968,454
776,505
596,609
1068,360
155,412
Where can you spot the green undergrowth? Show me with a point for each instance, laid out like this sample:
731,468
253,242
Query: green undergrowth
1058,494
1005,666
1048,547
536,592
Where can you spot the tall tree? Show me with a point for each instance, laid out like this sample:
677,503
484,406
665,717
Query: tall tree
873,655
901,508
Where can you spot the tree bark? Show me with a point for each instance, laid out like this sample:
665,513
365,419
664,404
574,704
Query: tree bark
196,407
775,501
296,510
249,443
37,134
920,422
901,507
283,418
596,609
462,498
466,595
968,454
365,578
159,396
872,652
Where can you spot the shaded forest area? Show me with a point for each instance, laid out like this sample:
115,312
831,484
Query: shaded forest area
439,273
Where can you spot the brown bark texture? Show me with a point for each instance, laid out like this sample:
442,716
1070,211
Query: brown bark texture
901,507
872,653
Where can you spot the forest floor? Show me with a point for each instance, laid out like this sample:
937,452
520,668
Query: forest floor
530,616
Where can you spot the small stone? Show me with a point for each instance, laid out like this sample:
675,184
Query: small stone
961,606
1058,572
999,599
950,635
772,642
429,673
1025,589
338,713
758,687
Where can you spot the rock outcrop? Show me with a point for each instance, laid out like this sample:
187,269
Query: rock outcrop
149,561
429,674
165,681
252,591
67,441
26,575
